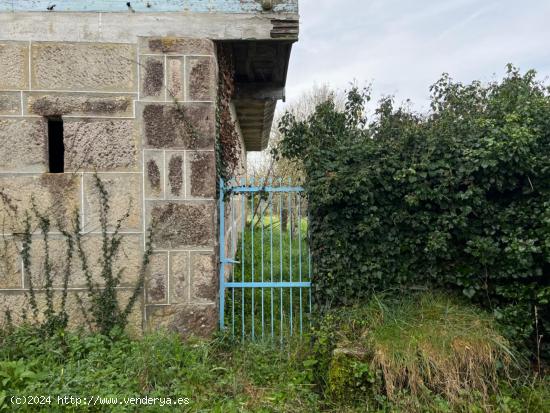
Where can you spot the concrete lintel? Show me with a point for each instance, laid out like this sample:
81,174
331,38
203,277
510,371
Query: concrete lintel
106,27
259,91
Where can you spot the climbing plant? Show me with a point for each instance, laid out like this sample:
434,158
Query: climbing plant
228,143
457,198
101,307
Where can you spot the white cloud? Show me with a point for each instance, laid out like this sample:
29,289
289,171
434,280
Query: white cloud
403,46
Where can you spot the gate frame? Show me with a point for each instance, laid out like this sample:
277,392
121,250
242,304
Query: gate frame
223,260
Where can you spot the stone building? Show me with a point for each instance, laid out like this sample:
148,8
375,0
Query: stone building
156,98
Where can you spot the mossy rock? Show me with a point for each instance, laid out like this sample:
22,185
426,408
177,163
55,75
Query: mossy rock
351,376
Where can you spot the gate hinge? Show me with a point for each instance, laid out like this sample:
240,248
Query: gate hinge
229,261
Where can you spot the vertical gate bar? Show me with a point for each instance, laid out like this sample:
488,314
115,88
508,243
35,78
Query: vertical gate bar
281,255
290,218
252,212
233,253
243,221
271,252
299,197
309,265
222,256
262,224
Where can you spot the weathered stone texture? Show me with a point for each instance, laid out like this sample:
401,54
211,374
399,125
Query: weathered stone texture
157,279
56,195
124,196
201,78
202,174
58,104
99,144
179,277
102,67
187,126
182,224
154,174
23,145
128,259
176,45
184,319
175,78
175,180
152,77
135,326
10,103
18,304
204,285
77,319
10,264
57,252
14,65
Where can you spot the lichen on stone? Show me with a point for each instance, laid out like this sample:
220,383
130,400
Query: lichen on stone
175,174
157,289
57,105
182,224
153,174
154,77
180,45
189,126
201,79
203,175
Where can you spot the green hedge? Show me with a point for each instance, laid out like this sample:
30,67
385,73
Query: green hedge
457,198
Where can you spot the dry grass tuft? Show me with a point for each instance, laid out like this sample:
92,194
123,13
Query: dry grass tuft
431,344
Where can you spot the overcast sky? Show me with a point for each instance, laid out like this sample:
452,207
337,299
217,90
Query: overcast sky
403,46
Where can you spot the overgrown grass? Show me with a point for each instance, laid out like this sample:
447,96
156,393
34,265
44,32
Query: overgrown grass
222,375
435,343
214,375
417,351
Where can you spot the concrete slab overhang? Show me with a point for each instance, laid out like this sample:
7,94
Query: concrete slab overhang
260,78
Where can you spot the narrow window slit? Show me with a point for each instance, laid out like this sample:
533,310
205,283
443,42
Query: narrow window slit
56,148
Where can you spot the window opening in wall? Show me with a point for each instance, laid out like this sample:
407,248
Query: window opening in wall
56,148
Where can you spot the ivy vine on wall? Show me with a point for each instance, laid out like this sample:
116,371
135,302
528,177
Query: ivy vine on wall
228,143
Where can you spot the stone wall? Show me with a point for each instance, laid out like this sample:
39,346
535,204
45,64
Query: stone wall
142,116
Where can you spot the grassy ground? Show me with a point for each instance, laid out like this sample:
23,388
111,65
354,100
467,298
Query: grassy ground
215,375
222,375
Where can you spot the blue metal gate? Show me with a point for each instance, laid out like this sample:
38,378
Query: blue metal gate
265,261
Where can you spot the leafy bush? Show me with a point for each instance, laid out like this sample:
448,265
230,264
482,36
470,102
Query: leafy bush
457,198
16,375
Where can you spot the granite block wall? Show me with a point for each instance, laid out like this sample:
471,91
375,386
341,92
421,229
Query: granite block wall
142,117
